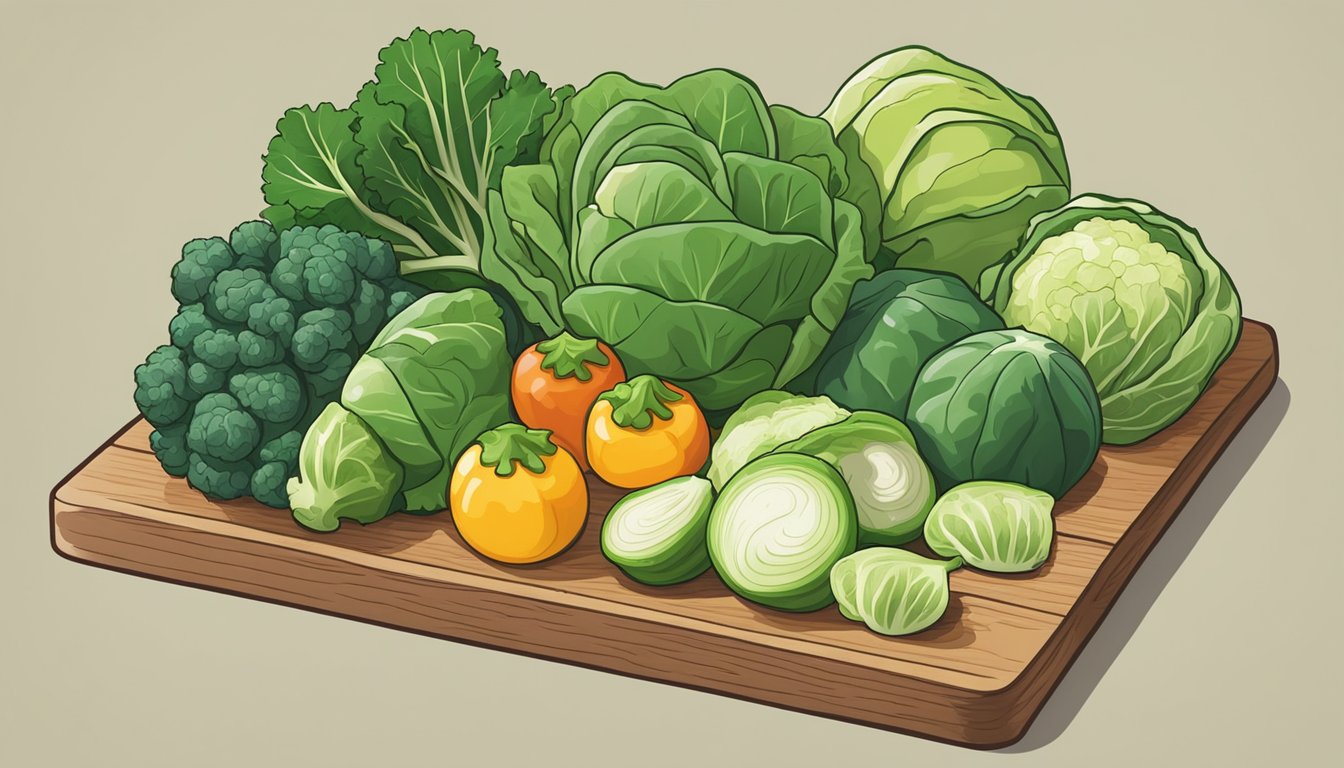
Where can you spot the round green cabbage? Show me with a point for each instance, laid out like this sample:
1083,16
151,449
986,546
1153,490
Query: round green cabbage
1135,295
1006,405
961,162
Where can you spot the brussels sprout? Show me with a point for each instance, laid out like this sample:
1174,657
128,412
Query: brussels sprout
894,324
876,454
765,421
993,526
1135,295
1006,405
777,528
893,591
657,535
961,162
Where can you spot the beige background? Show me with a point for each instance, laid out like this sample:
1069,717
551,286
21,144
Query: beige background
127,131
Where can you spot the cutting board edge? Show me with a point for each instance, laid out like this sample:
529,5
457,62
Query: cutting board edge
979,719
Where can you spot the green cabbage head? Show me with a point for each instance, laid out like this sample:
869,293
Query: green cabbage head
961,162
1135,295
702,233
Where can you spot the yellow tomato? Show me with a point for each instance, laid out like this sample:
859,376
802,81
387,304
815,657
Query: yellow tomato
646,431
516,497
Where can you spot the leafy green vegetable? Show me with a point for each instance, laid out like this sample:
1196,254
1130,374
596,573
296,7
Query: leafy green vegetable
411,159
344,473
764,422
657,535
1006,405
993,526
1135,295
707,237
777,528
895,323
434,379
892,591
961,162
268,326
875,453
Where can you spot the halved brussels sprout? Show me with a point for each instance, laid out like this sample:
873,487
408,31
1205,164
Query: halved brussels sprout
893,591
1000,527
777,528
657,535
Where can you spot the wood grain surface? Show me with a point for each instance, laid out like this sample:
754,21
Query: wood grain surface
978,677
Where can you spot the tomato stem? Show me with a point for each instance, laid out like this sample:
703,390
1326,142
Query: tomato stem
566,355
512,445
637,402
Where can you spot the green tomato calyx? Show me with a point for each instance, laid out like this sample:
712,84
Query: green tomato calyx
512,445
566,355
637,402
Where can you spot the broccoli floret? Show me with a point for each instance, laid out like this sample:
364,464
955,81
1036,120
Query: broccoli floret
273,394
161,386
201,261
235,291
284,449
280,461
268,484
216,348
170,447
203,379
320,332
368,311
401,299
273,317
256,244
189,322
256,351
221,430
219,479
327,381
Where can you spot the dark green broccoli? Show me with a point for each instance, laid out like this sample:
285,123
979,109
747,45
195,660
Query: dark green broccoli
161,386
170,448
281,461
268,326
256,351
202,260
273,394
219,479
221,429
235,291
256,244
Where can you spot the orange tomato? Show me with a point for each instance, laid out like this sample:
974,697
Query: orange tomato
516,497
645,431
555,383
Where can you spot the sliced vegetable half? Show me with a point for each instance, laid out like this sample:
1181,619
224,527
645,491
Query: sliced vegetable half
893,488
779,525
892,591
1000,527
657,535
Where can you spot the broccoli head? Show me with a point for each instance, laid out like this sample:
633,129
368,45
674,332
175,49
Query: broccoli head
268,326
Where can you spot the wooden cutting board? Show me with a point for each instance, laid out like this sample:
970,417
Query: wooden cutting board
977,678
